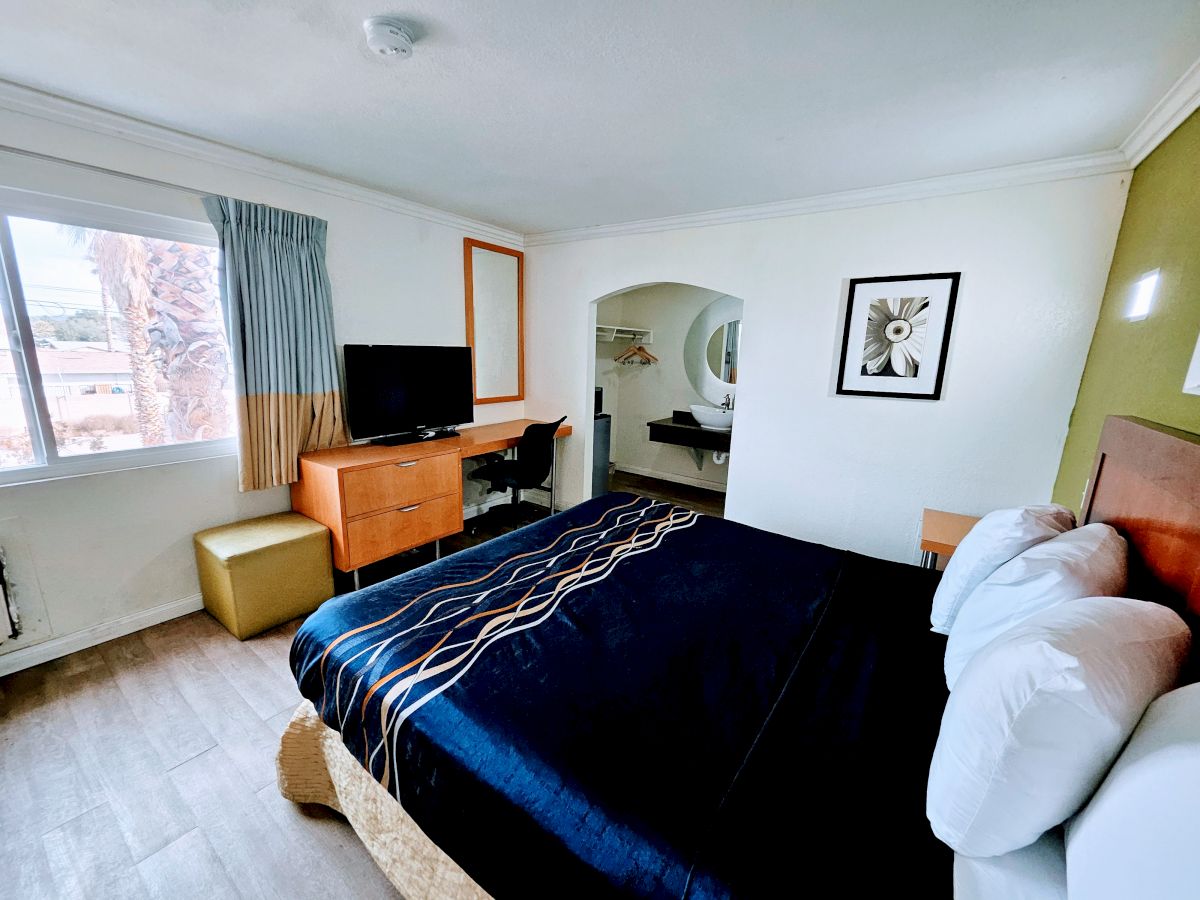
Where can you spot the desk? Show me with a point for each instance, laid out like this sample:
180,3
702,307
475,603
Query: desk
941,533
378,501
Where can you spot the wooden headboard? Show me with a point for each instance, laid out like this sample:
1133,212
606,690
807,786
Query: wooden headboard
1146,483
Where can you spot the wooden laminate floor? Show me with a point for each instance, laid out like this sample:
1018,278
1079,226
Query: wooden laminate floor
144,768
711,503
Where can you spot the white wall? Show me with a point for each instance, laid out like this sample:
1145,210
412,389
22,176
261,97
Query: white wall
105,550
640,394
849,471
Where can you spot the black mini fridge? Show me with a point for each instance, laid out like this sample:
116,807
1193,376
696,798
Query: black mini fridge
601,447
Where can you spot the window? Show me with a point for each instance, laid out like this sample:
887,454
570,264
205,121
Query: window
114,351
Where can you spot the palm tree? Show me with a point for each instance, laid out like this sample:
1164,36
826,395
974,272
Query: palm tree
122,265
166,295
106,313
190,333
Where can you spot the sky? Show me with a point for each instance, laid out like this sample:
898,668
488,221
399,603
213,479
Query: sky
57,276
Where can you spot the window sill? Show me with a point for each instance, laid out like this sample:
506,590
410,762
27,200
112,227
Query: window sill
119,461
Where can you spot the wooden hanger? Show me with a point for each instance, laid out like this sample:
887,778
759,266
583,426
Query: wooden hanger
638,355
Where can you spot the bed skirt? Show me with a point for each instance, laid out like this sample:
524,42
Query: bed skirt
314,766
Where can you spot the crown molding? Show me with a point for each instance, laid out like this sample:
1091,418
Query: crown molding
1165,116
28,101
1103,163
1177,104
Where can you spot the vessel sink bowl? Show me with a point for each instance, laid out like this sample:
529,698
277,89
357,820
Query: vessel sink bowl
711,418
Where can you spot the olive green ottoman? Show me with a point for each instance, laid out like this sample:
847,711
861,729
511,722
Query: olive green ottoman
263,572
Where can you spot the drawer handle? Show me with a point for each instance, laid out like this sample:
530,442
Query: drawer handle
406,465
410,508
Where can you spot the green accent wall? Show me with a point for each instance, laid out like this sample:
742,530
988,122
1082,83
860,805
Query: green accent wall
1136,368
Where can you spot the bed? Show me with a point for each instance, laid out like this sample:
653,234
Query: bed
630,699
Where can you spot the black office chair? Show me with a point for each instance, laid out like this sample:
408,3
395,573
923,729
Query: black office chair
535,457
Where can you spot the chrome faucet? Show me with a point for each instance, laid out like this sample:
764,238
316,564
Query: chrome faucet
727,403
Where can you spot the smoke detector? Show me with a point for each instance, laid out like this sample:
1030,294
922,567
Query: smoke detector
388,37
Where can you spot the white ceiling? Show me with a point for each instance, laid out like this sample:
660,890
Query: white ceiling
541,115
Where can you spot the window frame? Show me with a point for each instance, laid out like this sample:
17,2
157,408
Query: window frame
48,465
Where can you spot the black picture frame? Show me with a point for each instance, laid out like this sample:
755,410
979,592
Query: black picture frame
952,297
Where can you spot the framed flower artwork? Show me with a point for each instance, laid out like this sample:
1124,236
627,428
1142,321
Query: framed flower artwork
896,335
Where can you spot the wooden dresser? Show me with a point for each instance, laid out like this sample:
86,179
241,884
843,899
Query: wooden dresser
379,501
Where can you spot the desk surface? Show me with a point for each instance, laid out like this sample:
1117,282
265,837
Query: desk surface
474,441
481,439
942,532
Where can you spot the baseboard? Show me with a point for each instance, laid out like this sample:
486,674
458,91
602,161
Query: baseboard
34,654
472,510
528,495
673,476
536,496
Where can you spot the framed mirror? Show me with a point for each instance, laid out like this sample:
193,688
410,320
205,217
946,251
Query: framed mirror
495,288
711,349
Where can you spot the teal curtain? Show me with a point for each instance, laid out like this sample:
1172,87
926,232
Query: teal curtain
276,293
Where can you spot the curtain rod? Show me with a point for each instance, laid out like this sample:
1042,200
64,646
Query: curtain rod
101,170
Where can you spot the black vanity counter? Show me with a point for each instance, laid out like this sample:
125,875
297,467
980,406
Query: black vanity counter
683,430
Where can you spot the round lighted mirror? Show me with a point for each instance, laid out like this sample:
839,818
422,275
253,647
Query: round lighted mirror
722,352
710,351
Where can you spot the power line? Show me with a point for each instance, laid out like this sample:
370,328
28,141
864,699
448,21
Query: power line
53,304
67,290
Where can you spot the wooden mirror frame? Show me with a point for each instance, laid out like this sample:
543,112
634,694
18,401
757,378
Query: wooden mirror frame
470,244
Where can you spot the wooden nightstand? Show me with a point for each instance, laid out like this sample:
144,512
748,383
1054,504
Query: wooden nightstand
941,533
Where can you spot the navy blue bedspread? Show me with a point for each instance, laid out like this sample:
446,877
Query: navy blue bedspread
630,699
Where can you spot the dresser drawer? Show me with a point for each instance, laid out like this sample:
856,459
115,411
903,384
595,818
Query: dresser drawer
376,537
400,484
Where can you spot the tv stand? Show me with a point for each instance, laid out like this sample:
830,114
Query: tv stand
415,437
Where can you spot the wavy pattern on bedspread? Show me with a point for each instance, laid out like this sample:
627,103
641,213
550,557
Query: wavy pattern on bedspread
619,699
448,628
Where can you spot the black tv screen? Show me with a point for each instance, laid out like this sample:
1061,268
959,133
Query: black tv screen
397,389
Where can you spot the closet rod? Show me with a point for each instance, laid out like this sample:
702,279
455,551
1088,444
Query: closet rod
45,157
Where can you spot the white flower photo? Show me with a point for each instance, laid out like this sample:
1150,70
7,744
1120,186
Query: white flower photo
895,336
897,332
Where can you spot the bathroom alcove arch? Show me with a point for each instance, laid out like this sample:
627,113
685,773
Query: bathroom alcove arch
718,312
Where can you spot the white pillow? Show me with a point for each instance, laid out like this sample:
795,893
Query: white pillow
1137,836
993,541
1040,714
1087,562
1036,872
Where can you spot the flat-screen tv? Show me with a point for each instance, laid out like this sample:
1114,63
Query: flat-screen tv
406,391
